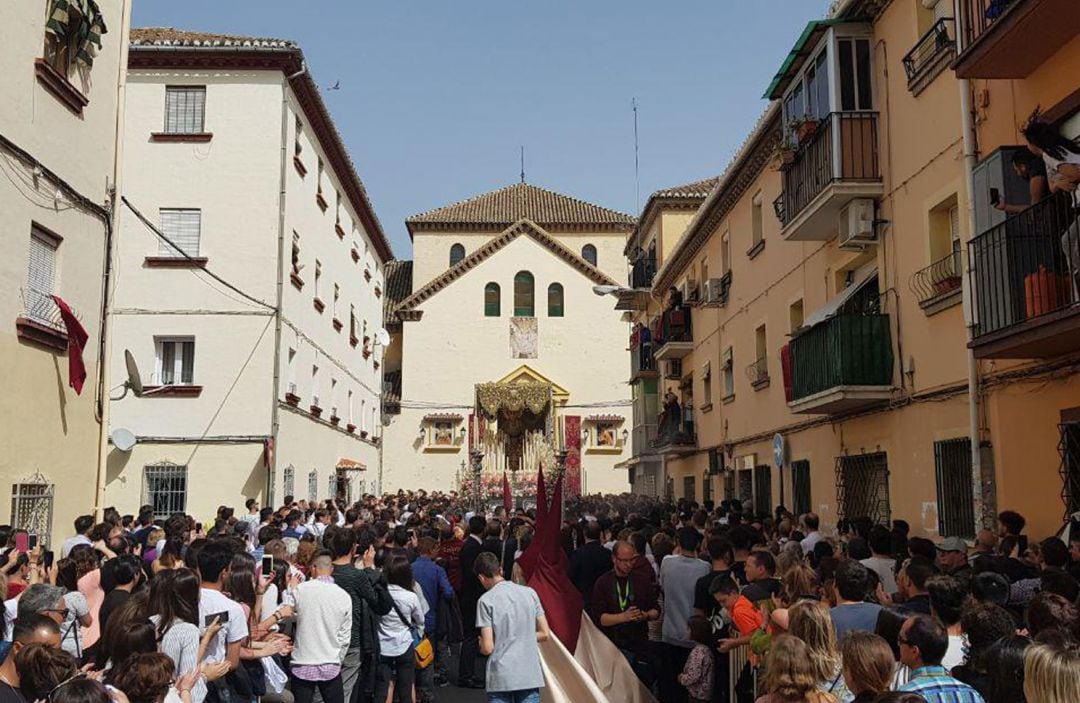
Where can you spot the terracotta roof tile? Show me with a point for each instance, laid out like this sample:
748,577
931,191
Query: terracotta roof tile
168,36
697,189
505,206
399,283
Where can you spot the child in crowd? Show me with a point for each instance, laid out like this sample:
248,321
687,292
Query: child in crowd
697,675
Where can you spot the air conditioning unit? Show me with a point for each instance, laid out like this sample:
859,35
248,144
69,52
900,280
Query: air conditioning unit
857,225
690,291
714,292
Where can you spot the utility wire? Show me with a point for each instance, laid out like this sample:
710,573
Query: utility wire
153,228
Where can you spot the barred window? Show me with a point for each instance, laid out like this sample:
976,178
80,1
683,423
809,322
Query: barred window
956,506
288,481
32,507
555,300
800,486
862,487
185,109
689,486
165,488
523,295
1069,446
746,486
763,489
706,488
492,300
313,485
588,252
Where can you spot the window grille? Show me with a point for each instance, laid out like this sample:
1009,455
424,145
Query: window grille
332,486
800,486
729,485
862,487
165,488
1070,466
184,228
288,481
956,506
689,488
492,300
32,507
313,486
41,279
185,109
763,489
746,486
706,487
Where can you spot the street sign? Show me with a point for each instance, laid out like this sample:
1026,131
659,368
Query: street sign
778,450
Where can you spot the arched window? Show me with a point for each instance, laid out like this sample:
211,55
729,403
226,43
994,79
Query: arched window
457,253
588,252
555,300
492,300
524,298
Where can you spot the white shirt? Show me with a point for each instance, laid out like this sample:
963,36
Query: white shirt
809,541
954,656
212,602
72,542
394,636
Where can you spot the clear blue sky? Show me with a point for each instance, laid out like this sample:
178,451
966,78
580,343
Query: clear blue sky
437,95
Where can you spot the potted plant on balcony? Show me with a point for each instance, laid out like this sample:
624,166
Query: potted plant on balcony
783,156
350,428
803,128
947,284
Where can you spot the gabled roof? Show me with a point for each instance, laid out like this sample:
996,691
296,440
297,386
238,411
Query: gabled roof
168,48
398,276
688,195
407,309
521,201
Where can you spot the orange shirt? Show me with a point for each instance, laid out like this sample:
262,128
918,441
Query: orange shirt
745,617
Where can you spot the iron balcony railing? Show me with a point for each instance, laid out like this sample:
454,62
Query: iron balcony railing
642,438
683,436
641,359
937,279
844,147
977,16
1027,266
939,40
675,325
643,272
844,350
758,372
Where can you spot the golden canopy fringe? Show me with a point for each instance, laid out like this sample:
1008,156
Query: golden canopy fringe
513,397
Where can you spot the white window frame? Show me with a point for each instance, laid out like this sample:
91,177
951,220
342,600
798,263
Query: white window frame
178,360
176,224
196,93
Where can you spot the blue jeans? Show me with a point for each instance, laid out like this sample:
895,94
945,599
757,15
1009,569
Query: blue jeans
528,695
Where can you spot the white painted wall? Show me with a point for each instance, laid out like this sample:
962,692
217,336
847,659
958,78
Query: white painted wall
47,428
453,347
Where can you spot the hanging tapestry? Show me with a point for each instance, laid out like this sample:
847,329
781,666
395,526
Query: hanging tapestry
572,481
524,337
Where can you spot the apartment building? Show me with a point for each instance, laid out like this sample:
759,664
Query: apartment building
249,283
62,88
816,346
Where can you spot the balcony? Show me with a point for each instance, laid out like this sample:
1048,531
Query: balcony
835,165
642,438
643,272
841,364
937,286
671,441
931,55
642,362
676,338
1011,38
758,373
1025,286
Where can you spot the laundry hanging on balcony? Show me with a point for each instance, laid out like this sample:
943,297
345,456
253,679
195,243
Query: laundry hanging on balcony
77,337
80,20
831,308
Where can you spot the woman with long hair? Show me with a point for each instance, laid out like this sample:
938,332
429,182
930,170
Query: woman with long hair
1062,157
1052,673
868,665
78,616
1005,660
397,663
174,612
791,674
812,623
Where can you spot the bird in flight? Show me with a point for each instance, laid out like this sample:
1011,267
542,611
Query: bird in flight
336,86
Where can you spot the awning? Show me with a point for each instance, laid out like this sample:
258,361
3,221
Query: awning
451,417
351,464
806,43
88,31
833,306
605,418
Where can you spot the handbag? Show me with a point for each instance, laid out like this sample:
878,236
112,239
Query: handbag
422,649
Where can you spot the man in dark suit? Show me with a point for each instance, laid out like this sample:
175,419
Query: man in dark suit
471,590
589,562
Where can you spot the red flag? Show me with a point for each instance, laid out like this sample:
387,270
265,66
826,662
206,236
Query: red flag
508,501
77,337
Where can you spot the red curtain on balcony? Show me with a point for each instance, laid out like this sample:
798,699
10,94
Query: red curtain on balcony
786,368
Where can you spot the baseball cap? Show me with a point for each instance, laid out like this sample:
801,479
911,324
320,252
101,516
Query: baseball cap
952,544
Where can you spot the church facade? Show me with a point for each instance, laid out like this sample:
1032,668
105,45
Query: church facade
501,346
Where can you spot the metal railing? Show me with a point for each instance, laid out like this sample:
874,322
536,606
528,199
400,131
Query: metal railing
758,372
844,350
40,307
977,16
641,358
940,39
1020,269
643,272
843,148
937,279
675,326
683,436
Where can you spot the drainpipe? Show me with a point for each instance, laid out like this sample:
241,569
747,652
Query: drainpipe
111,230
970,160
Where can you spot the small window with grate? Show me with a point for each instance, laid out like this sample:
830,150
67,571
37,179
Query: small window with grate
588,252
800,486
862,487
689,488
746,486
763,489
313,486
165,488
288,481
555,300
185,109
955,502
729,485
457,253
32,507
1070,466
524,298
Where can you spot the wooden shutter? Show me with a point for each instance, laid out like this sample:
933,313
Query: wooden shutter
184,228
40,277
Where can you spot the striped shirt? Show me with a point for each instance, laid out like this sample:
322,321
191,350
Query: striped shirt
181,644
936,686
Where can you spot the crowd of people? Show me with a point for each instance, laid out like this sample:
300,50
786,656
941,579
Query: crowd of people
375,600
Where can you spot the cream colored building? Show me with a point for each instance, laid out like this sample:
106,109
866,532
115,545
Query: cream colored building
269,386
498,309
58,145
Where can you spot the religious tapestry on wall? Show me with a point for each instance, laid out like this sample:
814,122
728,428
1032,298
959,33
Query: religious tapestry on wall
524,338
572,480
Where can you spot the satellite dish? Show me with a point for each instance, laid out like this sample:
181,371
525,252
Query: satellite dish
133,380
123,439
382,337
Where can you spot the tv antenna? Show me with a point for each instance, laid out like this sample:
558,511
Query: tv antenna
522,163
637,175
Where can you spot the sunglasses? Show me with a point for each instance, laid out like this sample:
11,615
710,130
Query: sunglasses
62,611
